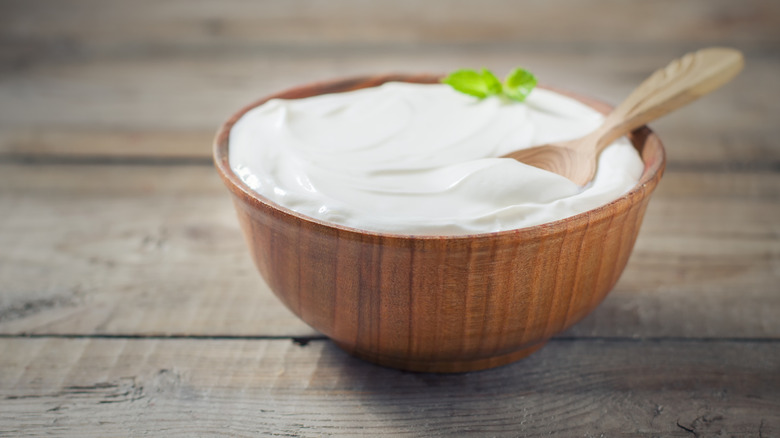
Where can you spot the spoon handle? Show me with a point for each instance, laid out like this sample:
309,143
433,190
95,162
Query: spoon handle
679,83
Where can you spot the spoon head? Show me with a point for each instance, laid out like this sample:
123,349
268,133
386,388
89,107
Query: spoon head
577,166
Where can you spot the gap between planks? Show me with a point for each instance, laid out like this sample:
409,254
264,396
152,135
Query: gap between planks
767,166
304,340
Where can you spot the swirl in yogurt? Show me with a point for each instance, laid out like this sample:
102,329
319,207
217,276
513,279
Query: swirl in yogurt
422,159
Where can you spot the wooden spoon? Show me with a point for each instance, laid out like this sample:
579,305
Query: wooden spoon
679,83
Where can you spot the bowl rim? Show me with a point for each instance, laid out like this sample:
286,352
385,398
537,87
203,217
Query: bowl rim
651,173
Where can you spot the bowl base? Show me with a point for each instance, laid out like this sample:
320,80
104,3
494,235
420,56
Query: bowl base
449,366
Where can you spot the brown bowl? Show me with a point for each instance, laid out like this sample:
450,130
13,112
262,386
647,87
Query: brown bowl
439,303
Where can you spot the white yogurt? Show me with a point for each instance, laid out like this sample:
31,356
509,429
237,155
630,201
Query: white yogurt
422,159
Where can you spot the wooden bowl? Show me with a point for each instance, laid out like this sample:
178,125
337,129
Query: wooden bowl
439,303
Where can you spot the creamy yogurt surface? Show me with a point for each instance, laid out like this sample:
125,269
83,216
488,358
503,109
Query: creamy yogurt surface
422,159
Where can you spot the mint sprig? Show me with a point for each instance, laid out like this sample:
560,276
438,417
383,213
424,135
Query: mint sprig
517,85
480,84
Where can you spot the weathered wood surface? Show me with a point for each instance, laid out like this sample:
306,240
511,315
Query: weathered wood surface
85,78
98,26
114,228
99,387
156,250
147,107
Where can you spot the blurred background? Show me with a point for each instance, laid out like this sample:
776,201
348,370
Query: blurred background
104,78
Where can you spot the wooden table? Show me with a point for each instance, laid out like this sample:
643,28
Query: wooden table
128,302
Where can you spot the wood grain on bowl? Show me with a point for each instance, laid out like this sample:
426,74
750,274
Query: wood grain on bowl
439,303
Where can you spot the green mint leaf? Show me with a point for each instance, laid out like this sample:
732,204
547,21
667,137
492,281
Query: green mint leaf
518,84
491,82
479,84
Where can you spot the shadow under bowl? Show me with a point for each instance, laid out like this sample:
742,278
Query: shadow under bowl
439,303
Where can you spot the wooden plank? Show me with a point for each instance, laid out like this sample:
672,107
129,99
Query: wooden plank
156,250
148,249
89,27
118,387
46,142
171,106
84,78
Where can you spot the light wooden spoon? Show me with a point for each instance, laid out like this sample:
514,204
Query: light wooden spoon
679,83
